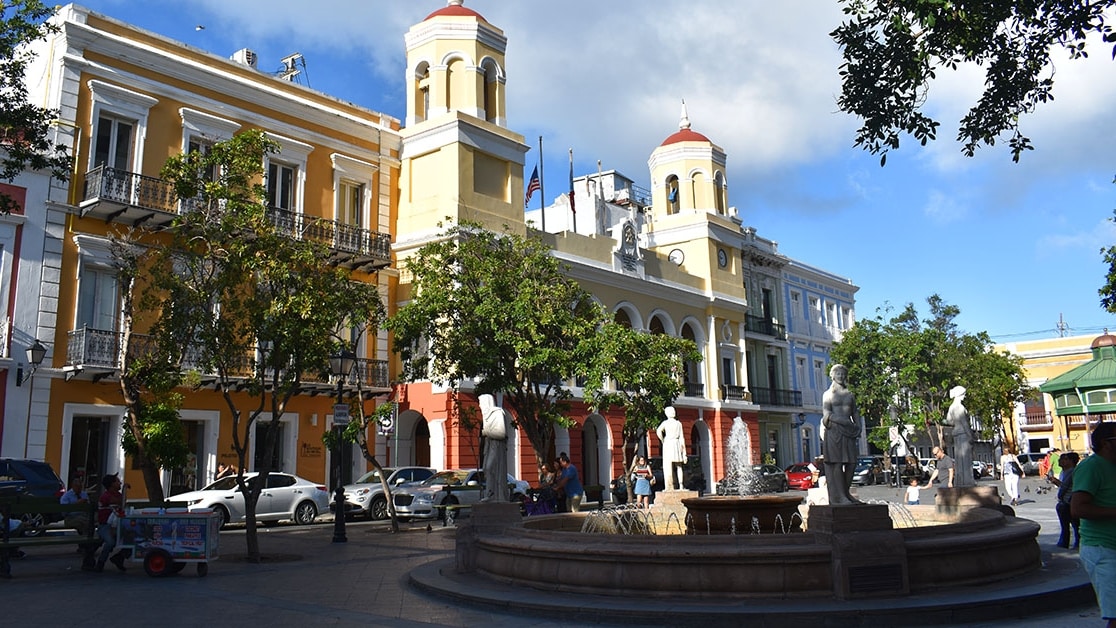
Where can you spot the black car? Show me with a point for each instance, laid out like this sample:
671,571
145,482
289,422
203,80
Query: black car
33,478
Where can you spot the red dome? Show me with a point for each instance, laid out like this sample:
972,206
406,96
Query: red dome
1106,340
685,135
455,11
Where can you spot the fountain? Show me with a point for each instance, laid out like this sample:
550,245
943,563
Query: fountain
738,508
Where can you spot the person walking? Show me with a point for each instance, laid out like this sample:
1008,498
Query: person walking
569,483
945,463
1094,503
111,502
1011,472
912,492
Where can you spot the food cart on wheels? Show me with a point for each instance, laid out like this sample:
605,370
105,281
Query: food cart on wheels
165,541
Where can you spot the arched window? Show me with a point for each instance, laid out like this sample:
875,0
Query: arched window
621,318
422,92
691,374
490,103
672,194
719,200
657,326
697,185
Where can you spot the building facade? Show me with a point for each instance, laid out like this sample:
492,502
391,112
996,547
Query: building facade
671,257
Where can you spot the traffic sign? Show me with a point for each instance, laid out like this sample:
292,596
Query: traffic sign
341,414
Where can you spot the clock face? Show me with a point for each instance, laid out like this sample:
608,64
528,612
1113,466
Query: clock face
722,258
677,257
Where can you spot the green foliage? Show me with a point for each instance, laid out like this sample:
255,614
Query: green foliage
161,433
645,371
893,50
498,308
24,128
908,365
247,299
1108,290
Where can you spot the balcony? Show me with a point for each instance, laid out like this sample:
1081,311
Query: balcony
765,326
140,201
129,198
1035,420
96,353
351,247
777,397
735,393
693,390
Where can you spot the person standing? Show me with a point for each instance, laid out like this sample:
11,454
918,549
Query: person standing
644,477
674,449
958,417
945,463
841,421
1094,503
912,492
111,501
1011,472
569,483
1067,462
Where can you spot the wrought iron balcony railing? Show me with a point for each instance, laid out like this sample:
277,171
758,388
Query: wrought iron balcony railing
777,397
765,326
352,246
694,390
735,393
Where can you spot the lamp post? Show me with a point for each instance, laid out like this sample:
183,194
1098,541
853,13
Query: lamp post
340,365
36,353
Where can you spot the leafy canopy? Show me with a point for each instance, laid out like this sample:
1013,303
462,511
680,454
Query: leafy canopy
25,142
893,49
901,369
499,308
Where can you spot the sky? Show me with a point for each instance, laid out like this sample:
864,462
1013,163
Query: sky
1015,246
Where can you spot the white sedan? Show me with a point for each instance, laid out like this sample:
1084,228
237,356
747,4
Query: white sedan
286,496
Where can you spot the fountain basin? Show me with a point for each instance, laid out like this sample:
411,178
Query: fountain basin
742,514
549,553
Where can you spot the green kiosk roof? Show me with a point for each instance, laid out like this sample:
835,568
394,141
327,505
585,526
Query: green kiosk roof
1089,388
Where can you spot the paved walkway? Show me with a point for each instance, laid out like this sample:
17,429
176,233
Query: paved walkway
366,582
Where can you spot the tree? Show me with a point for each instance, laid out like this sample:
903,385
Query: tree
901,370
643,386
498,308
25,142
261,308
893,50
357,432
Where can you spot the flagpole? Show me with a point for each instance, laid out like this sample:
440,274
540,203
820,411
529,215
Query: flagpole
573,210
542,190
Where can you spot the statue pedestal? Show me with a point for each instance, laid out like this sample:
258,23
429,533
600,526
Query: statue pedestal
488,518
668,510
954,500
869,557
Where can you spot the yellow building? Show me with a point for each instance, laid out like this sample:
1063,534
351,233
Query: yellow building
673,259
1034,425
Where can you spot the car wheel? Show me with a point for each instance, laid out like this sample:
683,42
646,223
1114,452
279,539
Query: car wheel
378,509
305,513
34,524
223,513
785,487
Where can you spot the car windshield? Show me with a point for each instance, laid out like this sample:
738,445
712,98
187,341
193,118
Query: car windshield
449,478
224,484
372,477
798,468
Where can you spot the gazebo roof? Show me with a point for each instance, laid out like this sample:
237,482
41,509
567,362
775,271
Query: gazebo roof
1089,388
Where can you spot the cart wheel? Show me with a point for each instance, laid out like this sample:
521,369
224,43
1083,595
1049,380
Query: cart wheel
157,564
203,568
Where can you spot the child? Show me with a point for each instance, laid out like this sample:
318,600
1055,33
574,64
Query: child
912,492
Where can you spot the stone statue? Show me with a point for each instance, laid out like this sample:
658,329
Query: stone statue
674,449
958,417
841,423
496,422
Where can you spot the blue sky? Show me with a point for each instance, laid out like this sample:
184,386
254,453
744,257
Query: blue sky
1015,246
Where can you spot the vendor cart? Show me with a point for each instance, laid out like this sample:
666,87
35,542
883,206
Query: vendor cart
166,541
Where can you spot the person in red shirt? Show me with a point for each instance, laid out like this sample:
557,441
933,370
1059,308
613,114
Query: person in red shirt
112,500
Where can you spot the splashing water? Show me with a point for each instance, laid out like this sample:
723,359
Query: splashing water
739,479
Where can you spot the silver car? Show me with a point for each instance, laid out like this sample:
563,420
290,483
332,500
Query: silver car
445,489
365,497
285,496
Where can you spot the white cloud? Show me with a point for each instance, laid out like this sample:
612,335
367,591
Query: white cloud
943,208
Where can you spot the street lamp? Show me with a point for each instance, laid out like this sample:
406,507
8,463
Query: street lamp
340,365
36,353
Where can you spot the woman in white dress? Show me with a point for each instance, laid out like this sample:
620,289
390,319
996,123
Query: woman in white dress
1011,471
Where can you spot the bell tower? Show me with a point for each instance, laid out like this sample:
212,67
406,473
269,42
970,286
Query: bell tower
458,159
688,174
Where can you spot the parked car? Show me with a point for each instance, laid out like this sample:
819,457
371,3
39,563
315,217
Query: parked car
430,498
286,496
800,477
365,496
19,476
981,469
770,479
869,470
1030,463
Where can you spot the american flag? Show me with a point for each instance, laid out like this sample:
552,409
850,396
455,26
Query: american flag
532,186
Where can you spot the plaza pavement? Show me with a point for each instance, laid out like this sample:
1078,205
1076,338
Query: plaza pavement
369,581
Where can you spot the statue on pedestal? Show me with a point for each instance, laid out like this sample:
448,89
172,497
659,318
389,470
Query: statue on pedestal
958,417
841,423
496,422
674,449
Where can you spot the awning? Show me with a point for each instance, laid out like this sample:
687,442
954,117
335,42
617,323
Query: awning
1089,388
